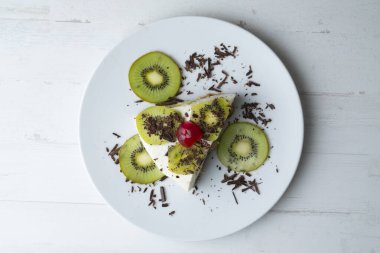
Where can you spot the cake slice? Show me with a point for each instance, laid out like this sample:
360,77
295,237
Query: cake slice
157,127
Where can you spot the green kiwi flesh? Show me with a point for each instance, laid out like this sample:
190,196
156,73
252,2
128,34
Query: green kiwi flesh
243,147
158,124
136,164
155,77
211,116
185,161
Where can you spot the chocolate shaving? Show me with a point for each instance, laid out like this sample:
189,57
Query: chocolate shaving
199,77
118,136
223,52
271,106
214,89
139,101
233,80
108,150
190,92
224,81
151,194
249,71
254,112
165,204
163,195
172,213
171,101
237,203
162,126
250,83
254,184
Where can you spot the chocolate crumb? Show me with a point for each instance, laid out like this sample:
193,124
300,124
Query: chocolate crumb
165,204
224,81
171,101
199,77
250,83
214,89
118,136
190,92
233,80
151,194
172,213
163,195
271,106
249,71
108,150
237,203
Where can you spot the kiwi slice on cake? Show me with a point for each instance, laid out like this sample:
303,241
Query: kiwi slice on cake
155,77
136,164
211,116
158,124
243,147
184,160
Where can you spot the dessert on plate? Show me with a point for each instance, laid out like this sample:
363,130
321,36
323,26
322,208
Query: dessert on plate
178,138
174,140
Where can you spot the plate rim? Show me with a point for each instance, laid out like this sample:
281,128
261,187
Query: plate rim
205,18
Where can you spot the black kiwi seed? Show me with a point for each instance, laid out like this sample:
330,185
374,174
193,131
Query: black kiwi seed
238,138
215,109
136,165
160,70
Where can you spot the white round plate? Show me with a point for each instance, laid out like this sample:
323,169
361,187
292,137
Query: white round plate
108,106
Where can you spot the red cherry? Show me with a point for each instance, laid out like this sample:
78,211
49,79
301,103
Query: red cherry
188,133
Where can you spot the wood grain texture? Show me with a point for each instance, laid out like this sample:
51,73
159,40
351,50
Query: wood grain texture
49,51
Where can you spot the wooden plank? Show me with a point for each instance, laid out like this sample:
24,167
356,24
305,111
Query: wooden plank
49,50
95,228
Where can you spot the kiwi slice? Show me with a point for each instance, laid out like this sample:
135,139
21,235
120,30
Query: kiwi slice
243,147
158,124
155,77
211,116
136,164
186,161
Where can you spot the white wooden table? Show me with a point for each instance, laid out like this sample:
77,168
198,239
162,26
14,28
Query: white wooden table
50,48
